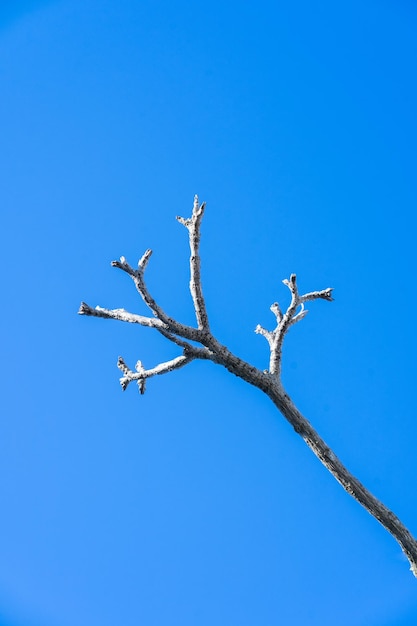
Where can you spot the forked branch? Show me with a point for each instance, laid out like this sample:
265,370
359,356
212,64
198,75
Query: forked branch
275,338
268,381
141,374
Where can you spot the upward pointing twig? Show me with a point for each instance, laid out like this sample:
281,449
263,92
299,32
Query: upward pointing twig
193,226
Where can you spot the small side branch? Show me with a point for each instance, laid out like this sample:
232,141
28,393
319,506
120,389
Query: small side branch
141,374
122,315
325,294
138,277
193,225
269,336
285,320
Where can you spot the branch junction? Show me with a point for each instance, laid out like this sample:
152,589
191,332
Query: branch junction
269,381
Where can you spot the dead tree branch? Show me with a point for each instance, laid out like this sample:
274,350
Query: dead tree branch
268,381
193,225
141,374
275,338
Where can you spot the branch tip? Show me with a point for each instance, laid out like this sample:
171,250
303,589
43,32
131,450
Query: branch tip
276,310
143,261
327,294
124,383
291,281
84,309
183,221
122,366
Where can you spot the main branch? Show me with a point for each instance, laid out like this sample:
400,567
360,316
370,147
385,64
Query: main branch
268,381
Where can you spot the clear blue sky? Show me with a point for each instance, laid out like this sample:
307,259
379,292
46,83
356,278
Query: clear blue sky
197,504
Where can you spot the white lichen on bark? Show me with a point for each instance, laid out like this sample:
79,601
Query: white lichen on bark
268,381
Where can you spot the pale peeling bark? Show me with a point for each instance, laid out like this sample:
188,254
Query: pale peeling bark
269,381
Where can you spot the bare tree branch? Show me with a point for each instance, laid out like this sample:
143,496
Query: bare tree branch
276,310
260,330
286,320
193,226
138,277
268,381
121,315
142,374
325,294
348,481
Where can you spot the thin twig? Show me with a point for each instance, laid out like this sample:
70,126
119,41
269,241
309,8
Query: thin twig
193,225
121,315
142,374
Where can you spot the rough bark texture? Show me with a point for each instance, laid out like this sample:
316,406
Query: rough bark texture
268,381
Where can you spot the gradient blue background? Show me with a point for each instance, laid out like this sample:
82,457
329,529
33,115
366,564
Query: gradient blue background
197,504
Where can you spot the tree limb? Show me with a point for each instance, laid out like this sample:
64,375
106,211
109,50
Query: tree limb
193,226
348,481
285,320
121,315
268,381
142,374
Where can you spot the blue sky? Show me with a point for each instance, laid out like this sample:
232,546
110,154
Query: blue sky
197,504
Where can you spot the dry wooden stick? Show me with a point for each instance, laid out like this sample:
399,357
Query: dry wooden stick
268,381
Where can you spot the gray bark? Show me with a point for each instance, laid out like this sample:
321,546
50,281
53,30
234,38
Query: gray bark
268,381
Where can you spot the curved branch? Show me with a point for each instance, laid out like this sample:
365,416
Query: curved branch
139,280
174,327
